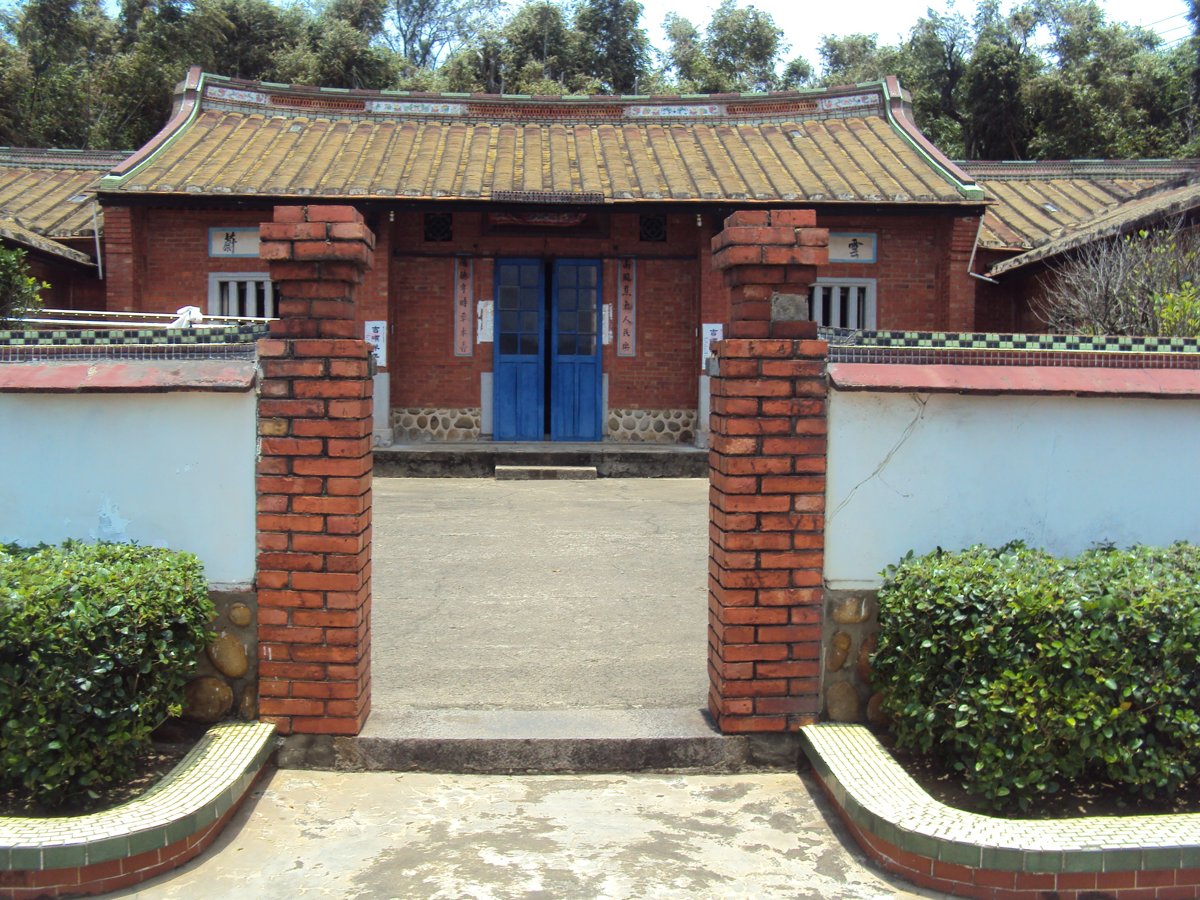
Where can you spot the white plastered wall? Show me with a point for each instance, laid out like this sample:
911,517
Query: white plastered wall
918,471
173,470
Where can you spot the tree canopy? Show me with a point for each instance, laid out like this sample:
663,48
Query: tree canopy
1046,79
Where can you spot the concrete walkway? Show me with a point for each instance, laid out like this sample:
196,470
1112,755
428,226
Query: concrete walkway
368,835
539,595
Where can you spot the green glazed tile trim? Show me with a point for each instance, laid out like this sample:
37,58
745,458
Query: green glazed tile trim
881,798
199,790
123,337
945,340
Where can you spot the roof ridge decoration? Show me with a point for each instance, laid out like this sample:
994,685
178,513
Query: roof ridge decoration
999,170
789,105
863,119
54,158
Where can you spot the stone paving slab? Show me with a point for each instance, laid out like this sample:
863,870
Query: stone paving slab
383,835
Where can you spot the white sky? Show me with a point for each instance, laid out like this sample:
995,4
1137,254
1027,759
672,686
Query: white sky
805,21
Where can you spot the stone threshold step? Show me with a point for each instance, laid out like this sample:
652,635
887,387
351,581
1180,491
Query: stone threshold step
506,741
545,473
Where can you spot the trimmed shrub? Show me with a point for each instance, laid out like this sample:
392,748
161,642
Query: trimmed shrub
96,643
1023,672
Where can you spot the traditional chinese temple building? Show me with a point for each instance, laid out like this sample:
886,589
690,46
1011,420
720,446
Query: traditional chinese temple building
542,265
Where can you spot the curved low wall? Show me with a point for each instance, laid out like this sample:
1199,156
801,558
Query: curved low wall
160,830
935,846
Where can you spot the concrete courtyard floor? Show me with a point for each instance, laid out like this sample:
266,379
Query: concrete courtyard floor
389,835
539,594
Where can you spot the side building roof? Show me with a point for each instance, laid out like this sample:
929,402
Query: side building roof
231,138
48,192
1154,208
1036,202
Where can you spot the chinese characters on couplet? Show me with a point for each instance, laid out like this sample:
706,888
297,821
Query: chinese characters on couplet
462,307
627,307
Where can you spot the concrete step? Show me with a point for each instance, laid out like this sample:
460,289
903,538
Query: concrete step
545,473
479,460
506,741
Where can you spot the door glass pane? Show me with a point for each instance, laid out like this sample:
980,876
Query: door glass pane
529,345
529,276
566,345
529,321
587,298
586,345
567,276
508,321
509,295
587,320
566,321
531,300
508,343
566,298
508,274
587,276
860,312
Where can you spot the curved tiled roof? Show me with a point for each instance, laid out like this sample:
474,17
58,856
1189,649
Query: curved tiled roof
48,191
842,145
1041,201
1157,207
15,233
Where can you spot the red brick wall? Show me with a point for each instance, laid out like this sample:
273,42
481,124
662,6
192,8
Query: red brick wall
913,273
71,286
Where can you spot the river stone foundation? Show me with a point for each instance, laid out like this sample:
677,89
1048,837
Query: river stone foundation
849,636
225,685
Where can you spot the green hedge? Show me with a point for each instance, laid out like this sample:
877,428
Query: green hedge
1024,672
96,643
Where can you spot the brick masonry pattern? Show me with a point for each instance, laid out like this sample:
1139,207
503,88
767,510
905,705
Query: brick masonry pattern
314,477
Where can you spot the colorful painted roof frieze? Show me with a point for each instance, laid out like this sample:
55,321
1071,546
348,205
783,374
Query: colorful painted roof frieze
842,145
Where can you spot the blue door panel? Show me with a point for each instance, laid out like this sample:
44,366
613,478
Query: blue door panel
518,362
575,370
521,345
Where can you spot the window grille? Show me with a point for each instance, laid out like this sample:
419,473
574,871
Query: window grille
844,303
439,227
652,229
241,294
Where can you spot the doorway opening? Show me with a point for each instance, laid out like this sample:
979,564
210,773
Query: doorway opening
548,380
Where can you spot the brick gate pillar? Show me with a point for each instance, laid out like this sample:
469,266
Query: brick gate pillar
314,477
767,478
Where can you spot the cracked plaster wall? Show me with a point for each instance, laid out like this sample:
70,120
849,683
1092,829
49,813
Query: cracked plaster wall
919,471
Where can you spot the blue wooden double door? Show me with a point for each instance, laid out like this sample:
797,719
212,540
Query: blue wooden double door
546,373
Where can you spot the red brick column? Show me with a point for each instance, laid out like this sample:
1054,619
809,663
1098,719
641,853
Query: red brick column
314,477
767,482
960,286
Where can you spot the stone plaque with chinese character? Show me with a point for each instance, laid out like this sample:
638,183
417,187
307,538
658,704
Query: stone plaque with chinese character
463,308
852,248
233,242
627,307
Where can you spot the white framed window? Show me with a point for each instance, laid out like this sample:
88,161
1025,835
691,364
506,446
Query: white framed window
843,303
241,294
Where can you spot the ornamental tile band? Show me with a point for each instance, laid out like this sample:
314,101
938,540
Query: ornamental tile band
680,111
415,108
